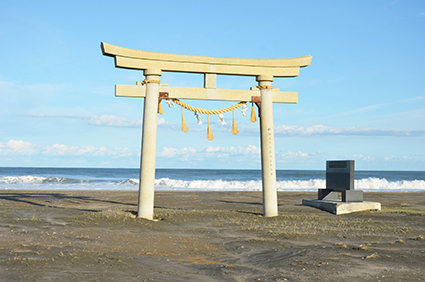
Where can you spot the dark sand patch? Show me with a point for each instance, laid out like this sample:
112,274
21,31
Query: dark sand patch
206,236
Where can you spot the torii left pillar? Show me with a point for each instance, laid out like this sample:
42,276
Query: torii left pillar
149,133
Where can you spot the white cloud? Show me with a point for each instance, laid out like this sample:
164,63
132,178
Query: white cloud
301,157
124,152
280,130
104,120
19,147
43,88
161,121
218,152
212,157
252,152
350,131
110,120
7,87
248,150
174,126
362,157
168,152
403,158
292,155
252,149
60,149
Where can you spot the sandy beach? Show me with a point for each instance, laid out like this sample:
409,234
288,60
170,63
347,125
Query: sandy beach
206,236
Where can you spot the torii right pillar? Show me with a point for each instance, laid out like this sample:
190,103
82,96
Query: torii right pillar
268,165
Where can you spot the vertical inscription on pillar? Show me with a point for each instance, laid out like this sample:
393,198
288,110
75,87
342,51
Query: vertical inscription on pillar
269,135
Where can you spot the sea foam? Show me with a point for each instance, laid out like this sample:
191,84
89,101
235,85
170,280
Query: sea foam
367,184
39,182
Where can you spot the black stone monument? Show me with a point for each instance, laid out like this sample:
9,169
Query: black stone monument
340,179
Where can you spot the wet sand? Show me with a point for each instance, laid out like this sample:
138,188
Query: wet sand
206,236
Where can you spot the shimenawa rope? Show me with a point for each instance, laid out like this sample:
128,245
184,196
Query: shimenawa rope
198,111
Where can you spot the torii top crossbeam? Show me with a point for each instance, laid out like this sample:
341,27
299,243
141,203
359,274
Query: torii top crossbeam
141,60
153,64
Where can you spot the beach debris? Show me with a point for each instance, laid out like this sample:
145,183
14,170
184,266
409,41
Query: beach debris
320,264
374,255
362,247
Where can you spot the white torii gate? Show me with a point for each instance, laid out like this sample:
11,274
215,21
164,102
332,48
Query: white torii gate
153,64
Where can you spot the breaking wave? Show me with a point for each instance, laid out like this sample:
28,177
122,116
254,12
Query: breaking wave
39,182
367,184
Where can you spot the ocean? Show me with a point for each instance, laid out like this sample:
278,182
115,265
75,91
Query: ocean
198,179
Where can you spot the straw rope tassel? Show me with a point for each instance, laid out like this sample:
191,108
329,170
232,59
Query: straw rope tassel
160,110
234,127
184,126
253,116
209,133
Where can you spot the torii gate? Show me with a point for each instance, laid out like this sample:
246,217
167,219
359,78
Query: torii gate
153,64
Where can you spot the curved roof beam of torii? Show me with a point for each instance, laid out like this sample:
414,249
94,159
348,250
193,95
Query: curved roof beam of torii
137,59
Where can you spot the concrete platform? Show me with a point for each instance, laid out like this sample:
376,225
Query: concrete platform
338,207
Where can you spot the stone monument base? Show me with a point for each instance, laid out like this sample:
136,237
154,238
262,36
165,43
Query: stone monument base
338,207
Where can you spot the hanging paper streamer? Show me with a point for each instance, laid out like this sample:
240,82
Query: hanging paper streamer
243,110
234,127
170,103
253,116
209,133
184,126
221,118
198,118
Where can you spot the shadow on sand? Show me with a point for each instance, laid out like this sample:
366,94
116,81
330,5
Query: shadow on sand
48,199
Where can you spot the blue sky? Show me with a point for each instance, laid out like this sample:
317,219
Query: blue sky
362,97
